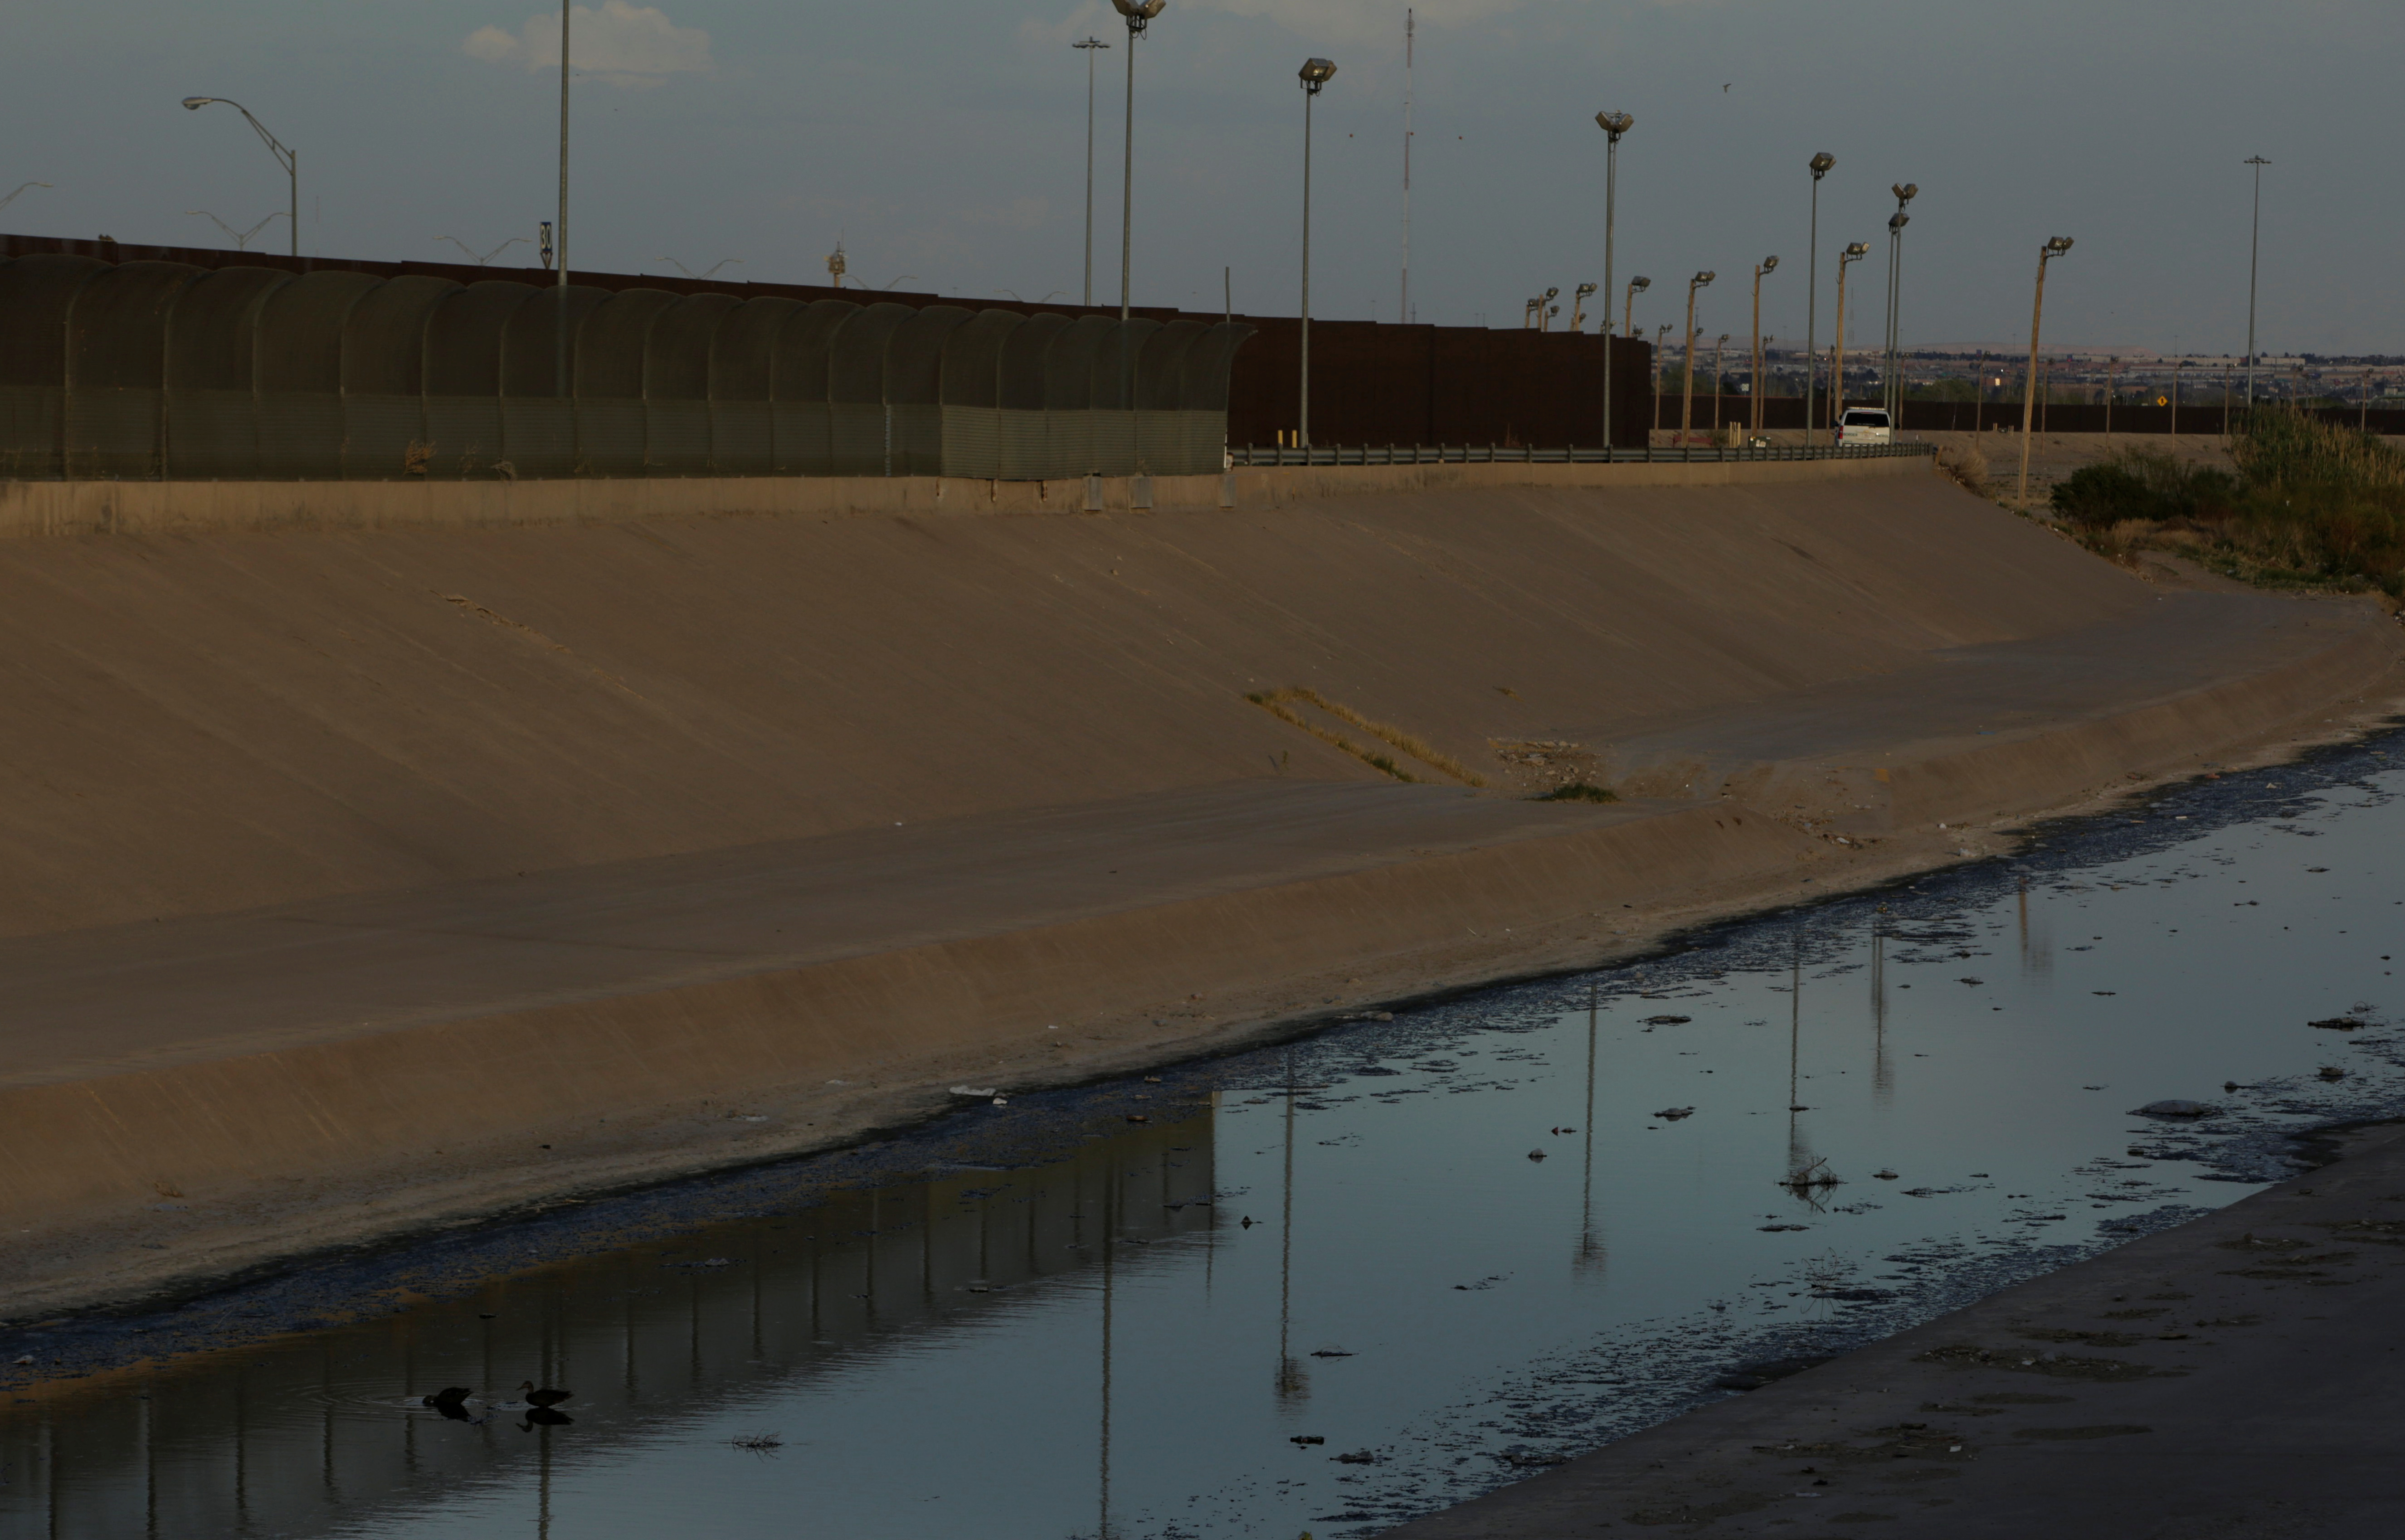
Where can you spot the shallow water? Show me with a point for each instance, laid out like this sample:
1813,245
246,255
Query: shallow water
1045,1320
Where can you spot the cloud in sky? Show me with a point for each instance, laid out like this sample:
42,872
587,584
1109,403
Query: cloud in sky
621,44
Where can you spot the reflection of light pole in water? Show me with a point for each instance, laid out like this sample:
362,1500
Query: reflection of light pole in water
1798,1152
1110,1228
1590,1250
1882,1071
1291,1381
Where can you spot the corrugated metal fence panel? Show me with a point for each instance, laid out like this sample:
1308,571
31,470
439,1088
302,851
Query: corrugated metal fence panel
212,412
742,358
860,429
36,295
115,360
1069,446
914,368
538,423
972,392
1202,395
1112,414
1161,447
385,433
1019,392
611,349
676,386
805,359
463,377
299,374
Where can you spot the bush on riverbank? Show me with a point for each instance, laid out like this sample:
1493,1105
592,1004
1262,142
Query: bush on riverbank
2312,504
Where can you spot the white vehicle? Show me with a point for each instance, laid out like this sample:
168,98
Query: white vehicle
1865,425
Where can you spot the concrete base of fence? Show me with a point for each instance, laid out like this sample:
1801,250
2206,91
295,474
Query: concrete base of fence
104,508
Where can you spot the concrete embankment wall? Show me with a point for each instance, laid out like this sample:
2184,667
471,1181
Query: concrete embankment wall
208,716
507,848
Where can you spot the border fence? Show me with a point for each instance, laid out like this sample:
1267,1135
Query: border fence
167,371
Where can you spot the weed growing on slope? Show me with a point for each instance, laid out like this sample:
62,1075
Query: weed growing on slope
2314,504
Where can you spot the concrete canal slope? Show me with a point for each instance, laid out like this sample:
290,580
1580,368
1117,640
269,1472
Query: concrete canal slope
2233,1378
367,878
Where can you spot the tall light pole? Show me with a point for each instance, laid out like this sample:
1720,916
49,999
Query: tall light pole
2045,254
1770,265
1410,35
1613,124
1139,14
1853,253
1089,47
284,157
1904,193
1717,349
1818,167
2254,260
1314,75
1577,309
1636,285
1687,359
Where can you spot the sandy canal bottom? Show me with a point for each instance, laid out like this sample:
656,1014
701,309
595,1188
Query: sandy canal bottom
1322,1287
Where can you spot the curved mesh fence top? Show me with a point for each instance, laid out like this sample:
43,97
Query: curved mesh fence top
167,370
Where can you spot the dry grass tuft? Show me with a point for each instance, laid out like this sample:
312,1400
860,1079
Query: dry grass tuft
1967,464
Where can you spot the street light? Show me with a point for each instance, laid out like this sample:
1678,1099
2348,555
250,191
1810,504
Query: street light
1139,14
1904,193
2045,254
1770,265
1578,308
2254,258
1613,124
1089,48
1546,309
1314,75
1687,359
284,158
1628,310
1717,348
1818,166
1853,253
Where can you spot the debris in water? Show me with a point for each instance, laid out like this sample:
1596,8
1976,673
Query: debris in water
1330,1352
1885,1175
1306,1438
972,1090
1667,1021
2337,1024
1536,1154
2331,1071
1767,1228
1672,1115
1358,1456
758,1441
2176,1107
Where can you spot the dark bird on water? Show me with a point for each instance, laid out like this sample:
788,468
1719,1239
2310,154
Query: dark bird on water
534,1397
450,1395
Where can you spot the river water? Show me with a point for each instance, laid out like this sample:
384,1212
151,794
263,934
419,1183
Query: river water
1320,1287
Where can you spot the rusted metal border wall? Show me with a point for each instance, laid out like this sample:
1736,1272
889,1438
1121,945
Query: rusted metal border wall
154,370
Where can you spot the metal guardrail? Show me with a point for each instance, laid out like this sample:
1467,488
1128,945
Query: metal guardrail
1255,455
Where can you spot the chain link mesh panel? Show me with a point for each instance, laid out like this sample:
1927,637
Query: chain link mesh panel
212,407
676,384
805,358
385,433
36,295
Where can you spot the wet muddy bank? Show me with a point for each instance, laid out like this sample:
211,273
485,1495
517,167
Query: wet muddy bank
1366,1199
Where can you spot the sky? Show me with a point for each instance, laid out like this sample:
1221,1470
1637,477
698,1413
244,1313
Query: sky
944,146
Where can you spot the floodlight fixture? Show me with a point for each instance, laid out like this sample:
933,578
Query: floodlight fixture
1316,73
